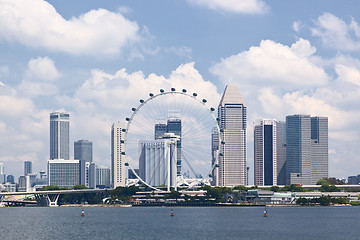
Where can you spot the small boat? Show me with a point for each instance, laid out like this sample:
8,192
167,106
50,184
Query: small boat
82,213
265,213
172,213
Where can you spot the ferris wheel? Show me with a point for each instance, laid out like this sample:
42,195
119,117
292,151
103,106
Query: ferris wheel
172,140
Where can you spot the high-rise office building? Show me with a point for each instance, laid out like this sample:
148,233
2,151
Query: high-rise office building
83,150
319,148
281,152
160,130
102,177
306,148
59,135
117,159
84,153
64,173
173,125
27,167
156,159
2,174
10,179
232,122
215,156
298,148
91,175
265,168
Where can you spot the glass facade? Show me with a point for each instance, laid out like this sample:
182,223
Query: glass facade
64,173
265,155
307,148
83,150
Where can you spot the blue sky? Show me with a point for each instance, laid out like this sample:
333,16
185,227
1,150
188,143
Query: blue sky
95,59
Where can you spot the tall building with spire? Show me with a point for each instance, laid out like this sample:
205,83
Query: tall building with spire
117,159
232,123
59,135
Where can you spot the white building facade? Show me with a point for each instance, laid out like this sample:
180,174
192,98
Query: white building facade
232,123
118,171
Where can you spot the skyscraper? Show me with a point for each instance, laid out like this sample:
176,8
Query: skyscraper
265,170
298,149
306,148
83,150
281,152
27,167
319,148
59,135
160,130
232,122
157,163
117,159
173,125
2,174
102,177
215,156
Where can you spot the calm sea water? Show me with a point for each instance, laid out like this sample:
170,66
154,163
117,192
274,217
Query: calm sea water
188,223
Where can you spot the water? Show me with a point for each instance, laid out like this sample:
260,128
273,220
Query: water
188,223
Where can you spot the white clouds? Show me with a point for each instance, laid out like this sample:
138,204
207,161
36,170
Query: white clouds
336,33
39,77
106,91
297,26
14,106
234,6
273,64
348,74
37,24
42,68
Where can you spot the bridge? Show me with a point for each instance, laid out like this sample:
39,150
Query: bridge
47,198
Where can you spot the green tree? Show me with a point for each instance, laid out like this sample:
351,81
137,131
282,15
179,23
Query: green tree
302,201
77,187
329,188
355,203
321,182
324,201
293,188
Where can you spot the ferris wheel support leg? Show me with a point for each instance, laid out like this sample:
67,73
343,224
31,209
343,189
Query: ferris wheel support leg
168,168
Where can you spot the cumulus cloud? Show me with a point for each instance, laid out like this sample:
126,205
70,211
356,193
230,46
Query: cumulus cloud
104,92
233,6
273,64
336,33
37,24
14,106
42,68
39,77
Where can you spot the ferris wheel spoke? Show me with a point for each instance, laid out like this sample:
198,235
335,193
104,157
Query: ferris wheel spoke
197,124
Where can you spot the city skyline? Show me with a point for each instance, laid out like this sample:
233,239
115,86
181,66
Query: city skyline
287,58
